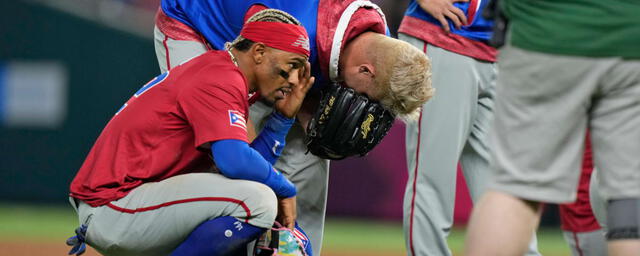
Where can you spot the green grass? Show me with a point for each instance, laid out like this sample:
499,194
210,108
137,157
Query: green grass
36,223
349,234
56,223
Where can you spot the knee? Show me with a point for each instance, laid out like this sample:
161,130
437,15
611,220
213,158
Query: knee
266,197
263,204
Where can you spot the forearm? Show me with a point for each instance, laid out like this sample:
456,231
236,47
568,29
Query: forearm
236,160
271,140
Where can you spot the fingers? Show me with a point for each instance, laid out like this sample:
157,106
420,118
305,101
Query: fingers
290,223
454,14
444,23
443,11
306,80
304,73
287,221
462,18
303,88
311,81
454,18
301,74
307,75
307,70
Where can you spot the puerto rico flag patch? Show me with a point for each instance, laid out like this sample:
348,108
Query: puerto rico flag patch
236,118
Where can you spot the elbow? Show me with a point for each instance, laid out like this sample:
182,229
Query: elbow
233,171
235,160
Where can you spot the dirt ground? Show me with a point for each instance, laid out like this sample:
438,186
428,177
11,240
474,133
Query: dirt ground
59,249
44,249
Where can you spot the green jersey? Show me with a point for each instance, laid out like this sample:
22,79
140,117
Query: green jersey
592,28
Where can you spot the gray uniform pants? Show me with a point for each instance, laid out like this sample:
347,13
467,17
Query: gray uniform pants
546,103
309,173
154,218
452,129
590,243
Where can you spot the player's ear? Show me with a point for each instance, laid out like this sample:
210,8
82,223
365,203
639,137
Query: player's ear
258,51
367,70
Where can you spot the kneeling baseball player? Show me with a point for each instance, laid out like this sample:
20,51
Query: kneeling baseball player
364,80
173,171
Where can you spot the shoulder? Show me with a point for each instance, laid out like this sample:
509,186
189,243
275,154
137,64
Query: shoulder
213,74
216,67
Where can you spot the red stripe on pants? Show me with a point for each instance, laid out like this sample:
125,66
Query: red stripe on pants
198,199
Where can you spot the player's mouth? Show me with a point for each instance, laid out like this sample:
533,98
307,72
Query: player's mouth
282,93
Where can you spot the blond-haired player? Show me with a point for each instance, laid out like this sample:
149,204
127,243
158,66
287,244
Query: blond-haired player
348,45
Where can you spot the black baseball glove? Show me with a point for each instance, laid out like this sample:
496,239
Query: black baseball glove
346,124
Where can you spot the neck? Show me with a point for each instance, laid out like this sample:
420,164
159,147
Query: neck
244,64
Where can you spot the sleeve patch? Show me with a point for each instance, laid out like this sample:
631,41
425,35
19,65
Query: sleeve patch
236,118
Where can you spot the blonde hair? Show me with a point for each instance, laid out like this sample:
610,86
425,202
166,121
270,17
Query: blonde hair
403,79
270,15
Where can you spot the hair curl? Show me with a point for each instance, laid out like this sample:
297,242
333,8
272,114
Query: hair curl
271,15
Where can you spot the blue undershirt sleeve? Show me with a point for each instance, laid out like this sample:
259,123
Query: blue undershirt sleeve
236,160
270,142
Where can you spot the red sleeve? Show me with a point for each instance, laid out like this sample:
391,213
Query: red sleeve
215,112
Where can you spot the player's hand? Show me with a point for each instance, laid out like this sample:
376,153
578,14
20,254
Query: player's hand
443,10
287,212
300,85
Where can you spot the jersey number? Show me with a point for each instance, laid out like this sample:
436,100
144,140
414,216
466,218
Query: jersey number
145,88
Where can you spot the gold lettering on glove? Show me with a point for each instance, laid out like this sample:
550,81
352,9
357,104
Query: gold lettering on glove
366,126
327,109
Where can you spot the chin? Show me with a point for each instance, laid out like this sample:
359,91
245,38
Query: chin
269,98
273,97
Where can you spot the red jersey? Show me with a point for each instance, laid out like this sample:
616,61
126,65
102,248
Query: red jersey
159,132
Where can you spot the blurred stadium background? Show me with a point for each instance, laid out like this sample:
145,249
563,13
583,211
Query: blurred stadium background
67,65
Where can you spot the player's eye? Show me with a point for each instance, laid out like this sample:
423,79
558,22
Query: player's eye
284,74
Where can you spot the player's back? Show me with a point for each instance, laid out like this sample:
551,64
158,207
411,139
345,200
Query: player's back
150,137
220,21
591,28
